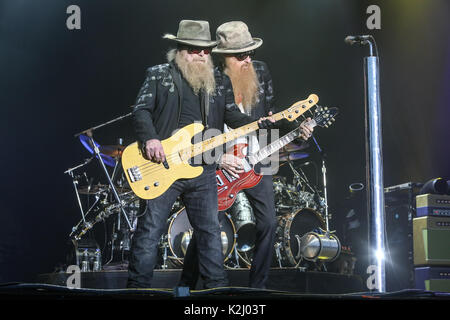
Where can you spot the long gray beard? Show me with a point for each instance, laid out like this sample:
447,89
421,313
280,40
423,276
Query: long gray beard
198,75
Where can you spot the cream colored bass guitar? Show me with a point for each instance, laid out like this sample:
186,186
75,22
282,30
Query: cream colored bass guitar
149,180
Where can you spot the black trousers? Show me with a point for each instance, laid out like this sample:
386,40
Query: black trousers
199,196
261,198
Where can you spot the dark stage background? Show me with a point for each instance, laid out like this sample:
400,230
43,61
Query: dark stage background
55,82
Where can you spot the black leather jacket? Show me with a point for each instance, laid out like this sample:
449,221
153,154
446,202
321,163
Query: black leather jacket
266,99
157,109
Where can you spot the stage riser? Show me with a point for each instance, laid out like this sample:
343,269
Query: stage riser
291,280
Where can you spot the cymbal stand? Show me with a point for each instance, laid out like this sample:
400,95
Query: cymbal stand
113,188
114,176
75,183
299,176
86,224
324,177
88,133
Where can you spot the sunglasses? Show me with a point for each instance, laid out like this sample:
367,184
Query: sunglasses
242,56
197,50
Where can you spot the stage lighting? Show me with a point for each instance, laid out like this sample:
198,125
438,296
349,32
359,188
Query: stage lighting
435,186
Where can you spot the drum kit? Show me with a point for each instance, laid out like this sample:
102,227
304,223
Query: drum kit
303,239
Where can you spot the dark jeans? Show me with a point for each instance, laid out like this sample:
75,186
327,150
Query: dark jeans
199,196
262,201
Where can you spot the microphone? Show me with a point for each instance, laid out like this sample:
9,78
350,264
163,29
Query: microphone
356,39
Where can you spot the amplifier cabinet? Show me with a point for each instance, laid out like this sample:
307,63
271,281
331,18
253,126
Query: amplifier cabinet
431,241
432,278
435,205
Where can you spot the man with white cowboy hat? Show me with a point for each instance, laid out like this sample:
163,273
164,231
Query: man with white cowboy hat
253,91
173,95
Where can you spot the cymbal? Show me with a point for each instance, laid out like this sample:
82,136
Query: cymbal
291,146
284,156
121,190
101,188
112,151
93,189
86,142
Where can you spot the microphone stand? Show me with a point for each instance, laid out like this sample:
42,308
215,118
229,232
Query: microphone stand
374,161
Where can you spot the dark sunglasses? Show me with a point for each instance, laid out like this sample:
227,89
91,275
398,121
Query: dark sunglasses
242,56
197,50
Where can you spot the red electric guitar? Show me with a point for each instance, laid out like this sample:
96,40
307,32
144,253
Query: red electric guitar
228,186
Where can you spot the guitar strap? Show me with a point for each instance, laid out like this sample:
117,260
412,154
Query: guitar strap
176,76
205,108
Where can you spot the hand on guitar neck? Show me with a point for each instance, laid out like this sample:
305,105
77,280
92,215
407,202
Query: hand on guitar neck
306,129
233,163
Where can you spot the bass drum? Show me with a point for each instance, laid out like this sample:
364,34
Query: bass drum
180,234
291,227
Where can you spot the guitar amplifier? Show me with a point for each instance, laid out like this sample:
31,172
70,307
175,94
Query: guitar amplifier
435,205
431,241
432,279
399,214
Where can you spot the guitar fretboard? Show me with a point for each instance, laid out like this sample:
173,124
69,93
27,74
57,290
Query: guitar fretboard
296,110
274,146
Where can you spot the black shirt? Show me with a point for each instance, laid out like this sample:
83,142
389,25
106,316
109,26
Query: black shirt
190,106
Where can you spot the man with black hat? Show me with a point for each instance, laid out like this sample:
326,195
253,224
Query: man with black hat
175,94
253,91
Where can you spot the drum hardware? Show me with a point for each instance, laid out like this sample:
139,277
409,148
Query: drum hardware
318,246
187,236
185,239
242,215
278,253
322,245
180,233
92,190
88,135
324,180
114,197
84,224
164,247
75,181
290,227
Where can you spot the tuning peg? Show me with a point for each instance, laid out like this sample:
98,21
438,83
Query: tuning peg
325,108
330,123
326,126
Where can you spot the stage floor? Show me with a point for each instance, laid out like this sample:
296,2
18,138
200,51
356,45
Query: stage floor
280,279
285,285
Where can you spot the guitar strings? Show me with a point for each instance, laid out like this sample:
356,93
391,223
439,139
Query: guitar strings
152,167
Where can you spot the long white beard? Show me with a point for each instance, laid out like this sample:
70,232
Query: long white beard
199,75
